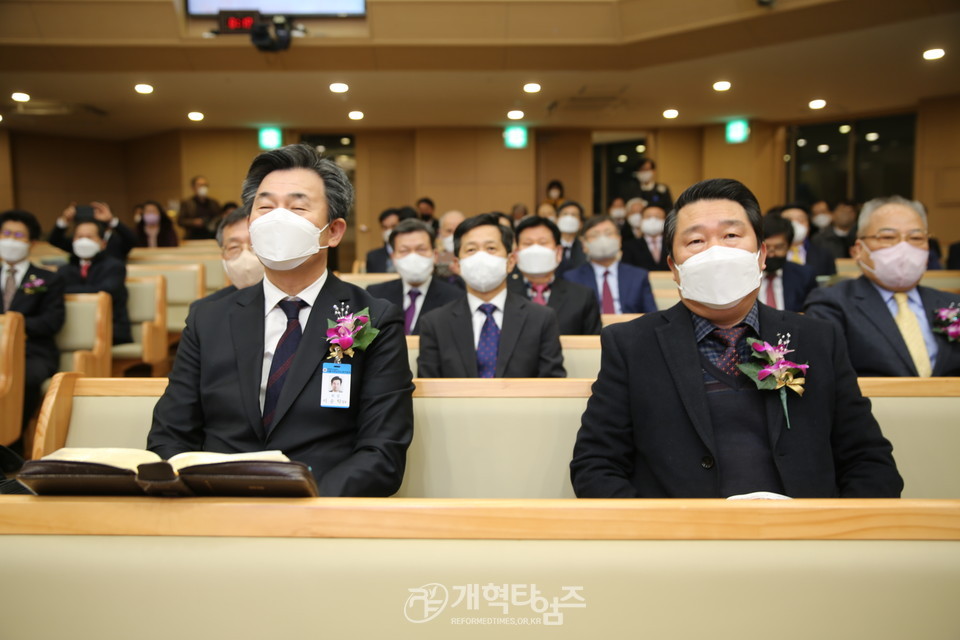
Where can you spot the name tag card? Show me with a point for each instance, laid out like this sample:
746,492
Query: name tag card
336,386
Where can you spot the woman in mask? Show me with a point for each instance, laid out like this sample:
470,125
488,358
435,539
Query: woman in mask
554,193
155,229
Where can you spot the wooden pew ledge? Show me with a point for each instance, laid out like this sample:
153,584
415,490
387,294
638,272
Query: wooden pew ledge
484,519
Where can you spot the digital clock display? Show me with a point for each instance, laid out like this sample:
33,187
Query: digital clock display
238,21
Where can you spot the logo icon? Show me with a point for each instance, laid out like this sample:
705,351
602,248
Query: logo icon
425,603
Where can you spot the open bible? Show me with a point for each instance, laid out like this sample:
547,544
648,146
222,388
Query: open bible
108,471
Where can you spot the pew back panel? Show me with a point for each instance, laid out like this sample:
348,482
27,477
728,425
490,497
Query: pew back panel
13,341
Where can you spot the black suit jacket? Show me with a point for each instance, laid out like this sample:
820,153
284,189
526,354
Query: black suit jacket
646,432
572,257
438,294
876,346
637,253
798,282
212,400
578,313
837,246
378,261
43,314
106,274
529,342
953,258
120,240
819,260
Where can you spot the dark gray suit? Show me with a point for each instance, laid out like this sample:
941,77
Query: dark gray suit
647,431
578,312
438,294
212,400
876,346
529,342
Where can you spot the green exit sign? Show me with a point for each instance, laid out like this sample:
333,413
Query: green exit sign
738,131
270,138
515,137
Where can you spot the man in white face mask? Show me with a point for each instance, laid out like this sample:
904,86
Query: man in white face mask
672,415
38,295
199,213
618,287
885,314
647,250
489,333
379,260
647,188
538,255
804,251
241,265
570,219
91,270
251,366
416,291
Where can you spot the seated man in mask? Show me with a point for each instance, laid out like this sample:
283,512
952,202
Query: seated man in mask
785,284
891,323
240,263
416,292
248,372
672,415
490,332
538,255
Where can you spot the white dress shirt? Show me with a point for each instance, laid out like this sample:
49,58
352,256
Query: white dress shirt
479,317
655,245
422,288
612,280
275,321
777,288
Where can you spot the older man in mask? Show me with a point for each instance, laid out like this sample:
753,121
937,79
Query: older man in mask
247,376
490,333
673,415
890,321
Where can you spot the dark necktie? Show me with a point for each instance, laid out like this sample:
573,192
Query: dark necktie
538,291
606,301
730,358
282,357
771,293
9,289
489,343
411,311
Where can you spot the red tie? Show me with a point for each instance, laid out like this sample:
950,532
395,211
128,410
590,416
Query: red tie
538,290
84,269
655,248
607,302
730,358
771,295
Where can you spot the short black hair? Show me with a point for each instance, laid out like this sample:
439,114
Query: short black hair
714,189
239,214
406,212
411,225
502,216
506,235
596,220
25,217
386,213
536,221
427,201
228,206
336,378
193,180
774,225
555,184
643,161
571,203
101,226
336,185
777,211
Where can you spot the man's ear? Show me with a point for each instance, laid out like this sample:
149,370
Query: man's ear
335,232
673,268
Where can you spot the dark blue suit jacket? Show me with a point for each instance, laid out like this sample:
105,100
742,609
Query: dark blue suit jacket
636,295
378,261
798,282
876,346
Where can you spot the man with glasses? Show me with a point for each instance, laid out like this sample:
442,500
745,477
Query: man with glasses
889,320
241,264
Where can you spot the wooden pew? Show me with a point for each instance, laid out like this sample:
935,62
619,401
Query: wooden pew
147,308
13,341
86,339
511,438
878,569
214,276
186,282
613,318
366,279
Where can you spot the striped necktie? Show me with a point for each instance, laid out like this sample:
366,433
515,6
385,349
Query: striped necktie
912,335
282,357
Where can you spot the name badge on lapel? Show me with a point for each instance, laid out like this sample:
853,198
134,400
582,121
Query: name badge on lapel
335,380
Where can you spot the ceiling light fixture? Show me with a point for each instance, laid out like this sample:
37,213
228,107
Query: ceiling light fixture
933,54
722,85
531,87
845,128
670,114
641,148
817,104
339,87
801,142
823,148
143,88
355,115
873,136
20,97
196,116
516,114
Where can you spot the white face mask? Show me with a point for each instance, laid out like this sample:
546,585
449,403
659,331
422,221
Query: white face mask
203,190
283,240
602,247
85,248
799,232
414,268
822,220
652,226
447,243
618,214
386,236
483,271
645,177
553,194
245,270
568,224
720,277
635,220
537,260
898,267
13,251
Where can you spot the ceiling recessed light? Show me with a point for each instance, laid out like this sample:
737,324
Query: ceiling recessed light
143,88
933,54
355,115
1,118
823,148
641,148
20,97
339,87
817,104
516,114
622,158
801,142
873,136
722,85
531,87
670,114
196,116
845,128
344,141
786,157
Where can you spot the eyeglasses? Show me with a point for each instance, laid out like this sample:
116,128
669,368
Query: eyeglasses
19,235
232,251
890,238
